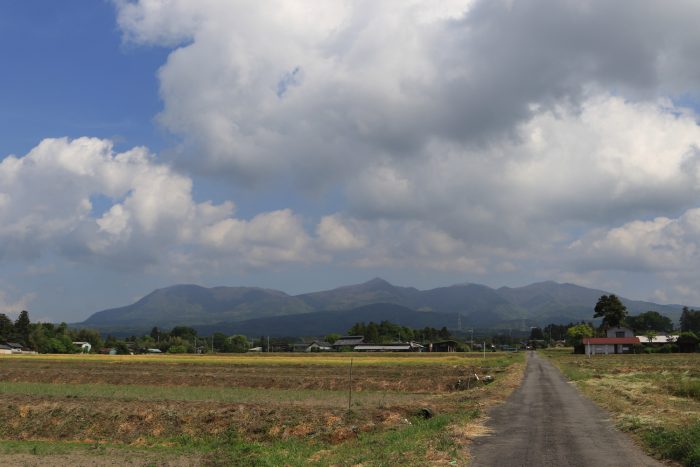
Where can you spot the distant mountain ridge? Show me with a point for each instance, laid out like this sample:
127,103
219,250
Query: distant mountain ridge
478,306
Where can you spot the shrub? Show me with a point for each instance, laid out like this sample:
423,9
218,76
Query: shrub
680,444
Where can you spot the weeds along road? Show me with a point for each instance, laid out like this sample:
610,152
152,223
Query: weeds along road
547,422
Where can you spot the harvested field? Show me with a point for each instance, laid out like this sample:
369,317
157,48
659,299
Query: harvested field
259,409
655,397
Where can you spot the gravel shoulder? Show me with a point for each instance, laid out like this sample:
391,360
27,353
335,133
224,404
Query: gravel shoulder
547,422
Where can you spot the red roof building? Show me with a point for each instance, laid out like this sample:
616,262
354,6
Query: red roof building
609,345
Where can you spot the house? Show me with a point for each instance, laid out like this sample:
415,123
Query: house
618,340
319,346
5,349
348,342
399,347
15,347
620,332
443,346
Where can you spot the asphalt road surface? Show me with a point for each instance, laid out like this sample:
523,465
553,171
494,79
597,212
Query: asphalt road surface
547,422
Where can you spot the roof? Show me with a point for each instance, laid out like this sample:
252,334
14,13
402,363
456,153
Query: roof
610,340
349,340
372,347
664,339
320,344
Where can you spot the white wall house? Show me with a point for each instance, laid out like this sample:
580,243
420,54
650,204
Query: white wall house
618,340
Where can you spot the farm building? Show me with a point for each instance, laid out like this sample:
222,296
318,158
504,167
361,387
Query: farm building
443,346
319,346
348,342
400,347
658,340
315,346
618,340
609,345
85,347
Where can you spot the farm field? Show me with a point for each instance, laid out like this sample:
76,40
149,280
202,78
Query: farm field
269,409
654,397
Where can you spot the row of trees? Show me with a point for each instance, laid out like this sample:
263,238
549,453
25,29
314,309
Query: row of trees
45,337
58,338
386,332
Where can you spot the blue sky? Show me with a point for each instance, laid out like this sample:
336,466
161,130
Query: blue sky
67,74
302,146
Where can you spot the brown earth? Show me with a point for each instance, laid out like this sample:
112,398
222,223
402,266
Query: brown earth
412,378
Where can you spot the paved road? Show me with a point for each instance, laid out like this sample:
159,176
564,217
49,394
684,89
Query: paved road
547,422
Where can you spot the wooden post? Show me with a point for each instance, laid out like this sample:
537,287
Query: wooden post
350,386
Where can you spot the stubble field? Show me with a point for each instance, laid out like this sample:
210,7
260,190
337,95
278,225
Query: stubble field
274,409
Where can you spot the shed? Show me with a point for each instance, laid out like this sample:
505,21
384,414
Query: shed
609,345
443,346
348,342
658,340
319,346
399,347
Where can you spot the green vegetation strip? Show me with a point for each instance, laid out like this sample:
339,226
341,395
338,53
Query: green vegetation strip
196,393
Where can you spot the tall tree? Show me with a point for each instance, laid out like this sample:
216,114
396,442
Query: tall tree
6,327
690,320
611,309
22,324
650,321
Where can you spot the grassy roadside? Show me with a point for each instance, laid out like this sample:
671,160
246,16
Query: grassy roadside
654,397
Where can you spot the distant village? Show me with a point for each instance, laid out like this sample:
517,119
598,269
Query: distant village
617,333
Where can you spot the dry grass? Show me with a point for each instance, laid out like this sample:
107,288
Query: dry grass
647,394
268,409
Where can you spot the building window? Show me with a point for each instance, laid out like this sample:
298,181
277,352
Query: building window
619,333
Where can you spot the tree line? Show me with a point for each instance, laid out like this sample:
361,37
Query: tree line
387,332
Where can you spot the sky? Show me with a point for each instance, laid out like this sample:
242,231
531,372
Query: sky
304,145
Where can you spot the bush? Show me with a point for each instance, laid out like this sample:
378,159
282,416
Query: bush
680,444
669,348
178,348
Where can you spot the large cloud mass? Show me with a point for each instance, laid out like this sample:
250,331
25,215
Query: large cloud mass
80,199
488,138
461,135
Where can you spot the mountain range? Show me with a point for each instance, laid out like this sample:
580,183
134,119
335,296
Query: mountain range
256,311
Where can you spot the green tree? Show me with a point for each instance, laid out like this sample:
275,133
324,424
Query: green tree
38,340
332,337
239,344
444,333
650,321
690,320
577,333
7,328
92,336
22,326
536,334
372,332
184,332
688,341
611,309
